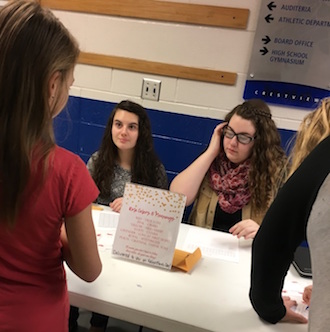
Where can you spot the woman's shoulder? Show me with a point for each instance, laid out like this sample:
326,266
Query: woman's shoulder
91,161
160,166
64,156
93,157
63,162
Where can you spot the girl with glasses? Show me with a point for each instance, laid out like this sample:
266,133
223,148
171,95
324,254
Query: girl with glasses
233,182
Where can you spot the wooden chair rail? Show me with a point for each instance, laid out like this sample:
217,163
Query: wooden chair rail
158,10
158,68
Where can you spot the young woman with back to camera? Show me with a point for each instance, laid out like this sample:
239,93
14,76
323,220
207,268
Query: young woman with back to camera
301,208
126,155
45,191
233,182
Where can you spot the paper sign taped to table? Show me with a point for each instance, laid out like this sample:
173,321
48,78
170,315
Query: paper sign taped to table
184,260
148,225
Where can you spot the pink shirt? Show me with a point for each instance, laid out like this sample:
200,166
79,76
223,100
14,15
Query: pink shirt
33,292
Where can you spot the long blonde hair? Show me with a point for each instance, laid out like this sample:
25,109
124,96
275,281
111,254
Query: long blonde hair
314,128
33,46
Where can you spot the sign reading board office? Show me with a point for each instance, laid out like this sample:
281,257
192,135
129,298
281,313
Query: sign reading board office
291,53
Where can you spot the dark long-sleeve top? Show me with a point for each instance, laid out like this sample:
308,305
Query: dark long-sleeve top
282,230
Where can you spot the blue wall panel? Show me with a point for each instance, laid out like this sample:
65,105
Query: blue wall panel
185,127
175,154
95,112
178,138
66,125
90,139
287,139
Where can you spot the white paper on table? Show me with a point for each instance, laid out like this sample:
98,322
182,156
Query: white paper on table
106,229
295,291
213,244
105,238
108,219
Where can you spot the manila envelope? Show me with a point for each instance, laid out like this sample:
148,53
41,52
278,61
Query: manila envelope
184,260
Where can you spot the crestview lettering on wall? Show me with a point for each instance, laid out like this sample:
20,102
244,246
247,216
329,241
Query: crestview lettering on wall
290,58
148,225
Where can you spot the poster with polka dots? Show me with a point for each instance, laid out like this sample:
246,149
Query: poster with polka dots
148,225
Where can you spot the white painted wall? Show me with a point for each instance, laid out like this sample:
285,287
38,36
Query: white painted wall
182,44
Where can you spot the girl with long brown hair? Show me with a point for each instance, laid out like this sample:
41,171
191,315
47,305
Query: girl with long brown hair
233,182
45,191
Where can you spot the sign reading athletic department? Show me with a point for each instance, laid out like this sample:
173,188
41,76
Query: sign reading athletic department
290,62
148,225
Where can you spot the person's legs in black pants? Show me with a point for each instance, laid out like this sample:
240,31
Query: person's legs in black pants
73,317
99,321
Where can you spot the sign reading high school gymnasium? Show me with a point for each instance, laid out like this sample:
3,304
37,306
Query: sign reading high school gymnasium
148,225
290,62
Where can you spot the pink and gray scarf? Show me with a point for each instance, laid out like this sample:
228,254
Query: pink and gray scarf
230,183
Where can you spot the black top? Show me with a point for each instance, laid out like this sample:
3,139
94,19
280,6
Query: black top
223,221
282,230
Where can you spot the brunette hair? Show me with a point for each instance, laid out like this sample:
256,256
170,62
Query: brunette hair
33,46
268,159
145,161
314,128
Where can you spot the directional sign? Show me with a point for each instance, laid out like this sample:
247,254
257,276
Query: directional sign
290,61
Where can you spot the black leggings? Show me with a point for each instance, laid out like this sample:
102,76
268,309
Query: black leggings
97,320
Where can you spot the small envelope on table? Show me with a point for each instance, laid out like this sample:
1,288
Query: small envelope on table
184,260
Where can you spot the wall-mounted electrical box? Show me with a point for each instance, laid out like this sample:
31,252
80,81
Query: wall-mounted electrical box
150,89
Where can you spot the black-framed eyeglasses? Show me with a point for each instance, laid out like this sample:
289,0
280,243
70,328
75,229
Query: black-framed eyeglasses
242,138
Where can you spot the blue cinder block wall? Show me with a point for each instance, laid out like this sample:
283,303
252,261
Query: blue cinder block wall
178,139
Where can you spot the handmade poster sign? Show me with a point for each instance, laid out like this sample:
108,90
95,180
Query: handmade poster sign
148,225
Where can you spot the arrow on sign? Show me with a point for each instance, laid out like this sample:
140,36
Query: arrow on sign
266,40
264,51
271,5
269,18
